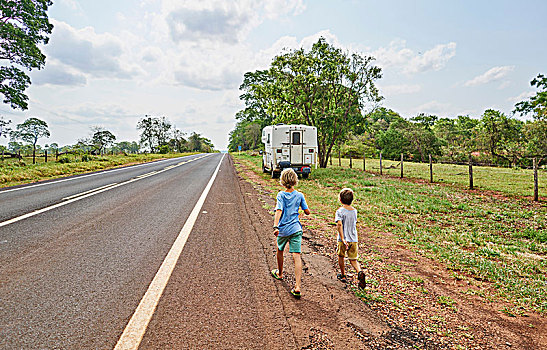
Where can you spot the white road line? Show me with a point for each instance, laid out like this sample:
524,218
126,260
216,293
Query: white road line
43,210
82,176
92,190
136,327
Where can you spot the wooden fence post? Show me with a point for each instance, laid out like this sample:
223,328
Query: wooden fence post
56,155
364,163
2,154
45,156
339,158
350,161
536,184
401,165
380,163
430,169
470,172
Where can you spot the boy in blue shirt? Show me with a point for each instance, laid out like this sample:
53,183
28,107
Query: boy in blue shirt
287,227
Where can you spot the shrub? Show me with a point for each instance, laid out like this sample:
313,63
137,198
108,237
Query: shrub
86,158
64,160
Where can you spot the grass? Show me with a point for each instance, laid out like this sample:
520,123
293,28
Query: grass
13,172
489,238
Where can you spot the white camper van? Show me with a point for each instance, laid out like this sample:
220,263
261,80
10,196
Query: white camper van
289,146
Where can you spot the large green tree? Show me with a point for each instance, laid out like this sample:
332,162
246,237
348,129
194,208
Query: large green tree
4,129
324,87
101,139
24,25
31,130
536,130
155,132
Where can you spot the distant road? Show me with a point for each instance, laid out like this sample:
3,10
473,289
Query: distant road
77,254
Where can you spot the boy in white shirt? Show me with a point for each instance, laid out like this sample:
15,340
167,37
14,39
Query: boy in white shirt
346,225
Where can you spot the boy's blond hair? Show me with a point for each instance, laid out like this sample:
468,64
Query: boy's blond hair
288,178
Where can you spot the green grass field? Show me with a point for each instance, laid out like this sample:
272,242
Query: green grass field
492,238
507,180
13,172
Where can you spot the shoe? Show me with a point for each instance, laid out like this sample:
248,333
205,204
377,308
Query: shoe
342,278
362,281
275,274
295,294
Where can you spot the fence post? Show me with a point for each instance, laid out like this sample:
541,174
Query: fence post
401,165
350,161
470,172
339,158
2,155
430,169
56,155
380,163
364,167
45,156
536,185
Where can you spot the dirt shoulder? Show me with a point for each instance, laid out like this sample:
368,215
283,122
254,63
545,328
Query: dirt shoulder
410,302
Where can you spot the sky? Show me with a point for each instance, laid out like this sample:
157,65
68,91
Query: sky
110,63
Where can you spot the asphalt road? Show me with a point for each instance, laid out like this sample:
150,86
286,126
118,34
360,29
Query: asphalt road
77,256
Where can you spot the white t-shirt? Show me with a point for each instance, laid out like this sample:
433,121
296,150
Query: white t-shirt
349,223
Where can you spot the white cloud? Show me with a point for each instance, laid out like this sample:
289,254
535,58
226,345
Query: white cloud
55,74
434,59
434,107
397,55
523,96
97,55
394,90
493,74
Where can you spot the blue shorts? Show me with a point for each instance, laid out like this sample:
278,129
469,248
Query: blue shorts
294,240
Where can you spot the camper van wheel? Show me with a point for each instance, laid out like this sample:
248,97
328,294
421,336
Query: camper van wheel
263,167
305,176
274,174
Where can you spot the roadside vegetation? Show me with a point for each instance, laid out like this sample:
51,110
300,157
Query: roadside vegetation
494,242
16,172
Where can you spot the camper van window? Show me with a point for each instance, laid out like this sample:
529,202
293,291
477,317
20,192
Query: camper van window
295,138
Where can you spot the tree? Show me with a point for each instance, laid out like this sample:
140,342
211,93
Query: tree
154,132
324,87
126,146
198,143
101,139
24,25
501,136
536,131
4,130
30,131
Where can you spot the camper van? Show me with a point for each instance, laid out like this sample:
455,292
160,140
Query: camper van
289,146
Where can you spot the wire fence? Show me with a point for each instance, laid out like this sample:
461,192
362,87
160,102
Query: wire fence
527,182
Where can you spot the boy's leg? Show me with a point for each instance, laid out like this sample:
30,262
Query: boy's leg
280,262
356,265
341,264
297,270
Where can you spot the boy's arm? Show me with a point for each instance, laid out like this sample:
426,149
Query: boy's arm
277,217
340,229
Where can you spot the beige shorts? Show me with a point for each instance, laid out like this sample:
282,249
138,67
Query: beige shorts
353,250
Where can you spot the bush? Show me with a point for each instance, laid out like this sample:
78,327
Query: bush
86,158
164,149
64,160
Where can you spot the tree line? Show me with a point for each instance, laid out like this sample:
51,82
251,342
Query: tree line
157,135
335,91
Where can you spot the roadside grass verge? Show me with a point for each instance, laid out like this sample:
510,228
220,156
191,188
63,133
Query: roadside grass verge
476,236
15,173
510,181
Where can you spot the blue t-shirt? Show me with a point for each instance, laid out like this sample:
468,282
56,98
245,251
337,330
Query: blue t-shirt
289,203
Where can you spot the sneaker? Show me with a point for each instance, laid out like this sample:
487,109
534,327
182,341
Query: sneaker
341,277
361,278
